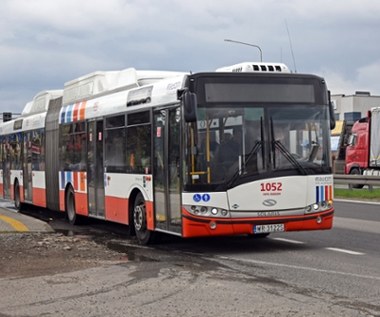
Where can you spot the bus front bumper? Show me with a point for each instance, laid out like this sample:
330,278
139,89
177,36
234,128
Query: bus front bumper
194,226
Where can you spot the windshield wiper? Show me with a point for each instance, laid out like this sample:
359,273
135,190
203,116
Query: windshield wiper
238,172
259,144
288,156
277,144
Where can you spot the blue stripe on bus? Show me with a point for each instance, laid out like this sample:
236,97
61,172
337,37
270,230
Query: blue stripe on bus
62,115
317,194
62,179
69,112
68,177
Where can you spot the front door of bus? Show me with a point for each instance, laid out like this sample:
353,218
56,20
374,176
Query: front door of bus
95,169
167,204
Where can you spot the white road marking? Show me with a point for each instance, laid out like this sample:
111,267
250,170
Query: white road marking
345,251
288,240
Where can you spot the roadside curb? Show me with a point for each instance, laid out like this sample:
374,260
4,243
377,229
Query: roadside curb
13,221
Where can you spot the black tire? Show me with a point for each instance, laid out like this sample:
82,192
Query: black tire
17,197
71,214
144,236
356,171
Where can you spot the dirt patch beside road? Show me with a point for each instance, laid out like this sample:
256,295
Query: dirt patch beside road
35,254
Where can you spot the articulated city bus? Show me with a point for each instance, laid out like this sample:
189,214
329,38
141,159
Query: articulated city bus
243,150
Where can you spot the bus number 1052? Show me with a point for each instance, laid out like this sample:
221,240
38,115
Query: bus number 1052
271,187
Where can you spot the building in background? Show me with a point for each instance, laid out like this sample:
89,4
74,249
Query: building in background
348,109
353,107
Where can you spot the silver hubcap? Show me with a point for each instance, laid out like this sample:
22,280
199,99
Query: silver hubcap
139,217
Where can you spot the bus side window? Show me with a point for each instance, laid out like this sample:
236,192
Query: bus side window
138,149
139,143
73,147
115,150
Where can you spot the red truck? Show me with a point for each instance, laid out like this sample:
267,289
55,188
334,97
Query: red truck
363,150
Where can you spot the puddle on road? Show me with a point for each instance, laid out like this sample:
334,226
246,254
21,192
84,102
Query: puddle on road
112,241
132,253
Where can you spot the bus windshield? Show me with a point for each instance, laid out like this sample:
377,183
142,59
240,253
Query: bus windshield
230,145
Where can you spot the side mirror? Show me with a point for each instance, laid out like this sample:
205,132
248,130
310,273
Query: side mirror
331,110
189,100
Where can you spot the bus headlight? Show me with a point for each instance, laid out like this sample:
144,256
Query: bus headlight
318,207
224,212
207,211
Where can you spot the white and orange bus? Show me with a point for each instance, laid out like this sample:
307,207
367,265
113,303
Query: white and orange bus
243,150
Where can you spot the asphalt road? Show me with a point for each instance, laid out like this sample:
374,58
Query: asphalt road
321,273
343,262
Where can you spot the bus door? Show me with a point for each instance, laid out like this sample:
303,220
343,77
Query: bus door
28,172
3,166
7,166
95,169
166,175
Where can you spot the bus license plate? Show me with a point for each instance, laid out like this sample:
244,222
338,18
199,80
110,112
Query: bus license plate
277,227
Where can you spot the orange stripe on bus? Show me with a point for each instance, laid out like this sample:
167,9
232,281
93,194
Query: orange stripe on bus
82,181
11,192
116,209
39,197
149,215
81,204
62,200
75,176
75,112
82,110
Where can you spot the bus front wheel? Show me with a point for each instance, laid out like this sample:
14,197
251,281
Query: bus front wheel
143,235
72,216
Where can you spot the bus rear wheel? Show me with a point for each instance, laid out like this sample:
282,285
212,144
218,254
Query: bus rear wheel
17,197
71,214
144,236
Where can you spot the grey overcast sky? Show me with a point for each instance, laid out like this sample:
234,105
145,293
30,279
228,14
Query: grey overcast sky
44,43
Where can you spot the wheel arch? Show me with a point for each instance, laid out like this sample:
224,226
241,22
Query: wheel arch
15,181
355,167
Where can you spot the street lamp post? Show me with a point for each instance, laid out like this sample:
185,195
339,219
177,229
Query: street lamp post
243,43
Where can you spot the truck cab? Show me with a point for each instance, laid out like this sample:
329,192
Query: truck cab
357,151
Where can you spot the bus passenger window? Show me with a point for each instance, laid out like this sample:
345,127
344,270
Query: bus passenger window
138,149
115,161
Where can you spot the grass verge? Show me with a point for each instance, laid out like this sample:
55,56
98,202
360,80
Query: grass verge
357,194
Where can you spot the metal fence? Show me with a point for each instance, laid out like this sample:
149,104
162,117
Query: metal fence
357,180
